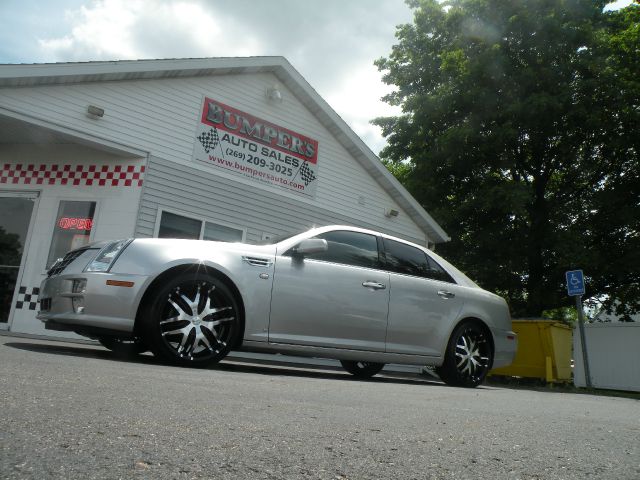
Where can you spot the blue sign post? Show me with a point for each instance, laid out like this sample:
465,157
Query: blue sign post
575,288
575,282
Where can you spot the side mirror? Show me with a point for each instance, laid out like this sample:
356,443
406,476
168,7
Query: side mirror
311,245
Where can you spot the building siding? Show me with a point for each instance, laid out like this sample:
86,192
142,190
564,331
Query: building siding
205,195
160,116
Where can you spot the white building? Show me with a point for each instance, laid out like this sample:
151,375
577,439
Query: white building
225,148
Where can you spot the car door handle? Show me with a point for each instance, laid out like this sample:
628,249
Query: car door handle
446,294
374,285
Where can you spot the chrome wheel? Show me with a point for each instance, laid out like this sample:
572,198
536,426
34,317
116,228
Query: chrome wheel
472,354
193,321
468,357
195,325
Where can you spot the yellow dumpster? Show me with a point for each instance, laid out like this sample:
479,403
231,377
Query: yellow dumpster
544,351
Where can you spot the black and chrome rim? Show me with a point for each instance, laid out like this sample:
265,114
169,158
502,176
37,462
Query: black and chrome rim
472,354
197,320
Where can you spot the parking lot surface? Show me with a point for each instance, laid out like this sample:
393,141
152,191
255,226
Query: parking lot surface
73,411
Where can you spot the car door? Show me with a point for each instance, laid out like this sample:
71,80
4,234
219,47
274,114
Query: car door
338,298
424,301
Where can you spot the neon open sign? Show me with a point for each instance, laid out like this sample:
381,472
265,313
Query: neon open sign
70,223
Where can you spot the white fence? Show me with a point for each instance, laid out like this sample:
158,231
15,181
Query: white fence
613,350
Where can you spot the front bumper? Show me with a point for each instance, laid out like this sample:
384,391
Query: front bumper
104,307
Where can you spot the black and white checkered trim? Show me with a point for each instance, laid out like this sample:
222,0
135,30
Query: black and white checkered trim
27,298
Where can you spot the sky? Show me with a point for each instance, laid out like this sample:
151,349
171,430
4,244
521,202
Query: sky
332,43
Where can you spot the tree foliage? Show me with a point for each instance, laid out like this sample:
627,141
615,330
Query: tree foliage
520,134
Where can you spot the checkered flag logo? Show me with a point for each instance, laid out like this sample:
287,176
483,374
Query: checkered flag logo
210,140
306,174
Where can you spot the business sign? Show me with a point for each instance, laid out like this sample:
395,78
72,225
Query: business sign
575,282
72,223
241,143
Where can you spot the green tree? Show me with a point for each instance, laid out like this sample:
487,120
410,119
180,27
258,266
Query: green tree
519,134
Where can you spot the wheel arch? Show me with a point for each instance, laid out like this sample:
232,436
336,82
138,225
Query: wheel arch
191,268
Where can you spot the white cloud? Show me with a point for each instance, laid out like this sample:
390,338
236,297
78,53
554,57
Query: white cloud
332,43
130,29
356,98
101,31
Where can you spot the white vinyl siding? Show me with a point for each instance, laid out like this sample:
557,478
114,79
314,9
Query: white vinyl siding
205,195
160,116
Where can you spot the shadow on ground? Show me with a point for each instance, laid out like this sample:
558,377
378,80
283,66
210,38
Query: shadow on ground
279,367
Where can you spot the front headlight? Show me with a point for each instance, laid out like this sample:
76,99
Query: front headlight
105,258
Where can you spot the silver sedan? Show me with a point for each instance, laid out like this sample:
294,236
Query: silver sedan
362,297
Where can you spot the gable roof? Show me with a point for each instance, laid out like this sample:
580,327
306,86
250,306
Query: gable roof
23,75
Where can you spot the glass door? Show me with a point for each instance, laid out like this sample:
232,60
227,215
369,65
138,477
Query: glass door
15,217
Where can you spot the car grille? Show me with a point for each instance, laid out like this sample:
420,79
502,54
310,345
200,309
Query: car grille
45,304
59,267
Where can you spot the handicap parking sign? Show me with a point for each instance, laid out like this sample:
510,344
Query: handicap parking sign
575,282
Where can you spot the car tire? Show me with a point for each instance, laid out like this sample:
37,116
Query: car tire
468,357
126,347
362,369
192,320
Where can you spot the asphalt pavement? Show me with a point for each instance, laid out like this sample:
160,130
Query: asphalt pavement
73,411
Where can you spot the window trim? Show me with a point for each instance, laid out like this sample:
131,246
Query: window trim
201,219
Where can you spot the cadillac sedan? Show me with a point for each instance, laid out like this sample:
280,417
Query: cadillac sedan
361,297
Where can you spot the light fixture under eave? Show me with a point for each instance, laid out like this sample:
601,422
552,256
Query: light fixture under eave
391,213
95,112
274,94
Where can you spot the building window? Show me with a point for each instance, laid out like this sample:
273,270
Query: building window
73,228
177,226
180,226
220,233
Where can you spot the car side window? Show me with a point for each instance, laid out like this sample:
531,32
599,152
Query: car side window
403,258
349,248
